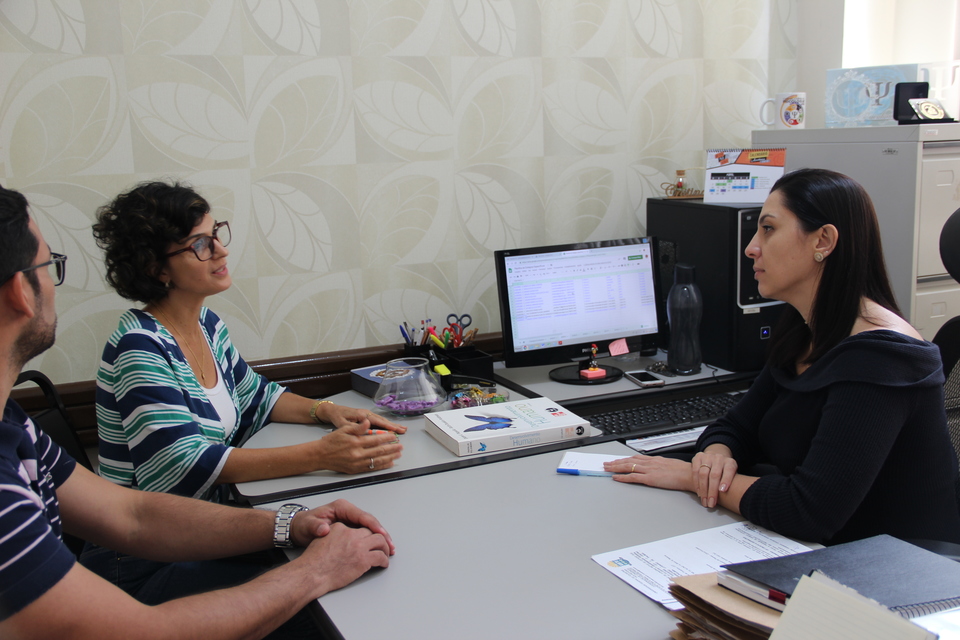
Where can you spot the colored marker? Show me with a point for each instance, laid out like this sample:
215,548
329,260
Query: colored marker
435,337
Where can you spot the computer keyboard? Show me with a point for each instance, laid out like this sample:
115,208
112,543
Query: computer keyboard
664,417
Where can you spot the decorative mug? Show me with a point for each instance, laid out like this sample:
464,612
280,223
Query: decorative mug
790,110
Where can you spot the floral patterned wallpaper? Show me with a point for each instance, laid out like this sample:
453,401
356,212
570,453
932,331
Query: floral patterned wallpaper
370,155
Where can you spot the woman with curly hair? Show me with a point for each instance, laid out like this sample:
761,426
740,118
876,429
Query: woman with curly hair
174,398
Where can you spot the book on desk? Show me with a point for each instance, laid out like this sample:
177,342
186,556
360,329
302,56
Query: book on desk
507,425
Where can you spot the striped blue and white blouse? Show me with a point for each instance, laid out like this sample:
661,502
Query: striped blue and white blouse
158,430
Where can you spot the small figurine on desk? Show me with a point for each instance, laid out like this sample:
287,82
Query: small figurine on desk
594,370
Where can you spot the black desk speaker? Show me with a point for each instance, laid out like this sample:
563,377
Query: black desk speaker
737,321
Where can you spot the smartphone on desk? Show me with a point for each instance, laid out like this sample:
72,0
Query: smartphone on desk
644,378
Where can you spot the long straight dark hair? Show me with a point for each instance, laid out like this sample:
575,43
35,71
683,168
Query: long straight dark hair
854,269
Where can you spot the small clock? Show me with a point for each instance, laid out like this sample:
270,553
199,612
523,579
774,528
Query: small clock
928,108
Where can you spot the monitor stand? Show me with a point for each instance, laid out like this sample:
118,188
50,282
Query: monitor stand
570,374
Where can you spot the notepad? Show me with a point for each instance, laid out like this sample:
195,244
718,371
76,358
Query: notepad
578,463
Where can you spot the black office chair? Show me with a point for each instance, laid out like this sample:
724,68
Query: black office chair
55,423
948,339
54,420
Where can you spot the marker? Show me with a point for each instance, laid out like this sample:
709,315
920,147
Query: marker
377,432
435,338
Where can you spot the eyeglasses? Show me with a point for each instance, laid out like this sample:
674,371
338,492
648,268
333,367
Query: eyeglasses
202,247
57,265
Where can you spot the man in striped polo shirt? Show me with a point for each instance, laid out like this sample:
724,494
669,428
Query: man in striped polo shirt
44,592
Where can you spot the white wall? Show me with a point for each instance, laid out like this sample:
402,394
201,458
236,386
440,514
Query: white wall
370,156
819,48
881,32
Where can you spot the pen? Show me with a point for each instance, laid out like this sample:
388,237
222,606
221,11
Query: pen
584,472
376,432
406,336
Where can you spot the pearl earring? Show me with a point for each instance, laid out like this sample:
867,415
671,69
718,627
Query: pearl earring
818,256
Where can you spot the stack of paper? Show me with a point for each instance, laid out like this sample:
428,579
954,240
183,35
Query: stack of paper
710,611
879,578
820,608
650,567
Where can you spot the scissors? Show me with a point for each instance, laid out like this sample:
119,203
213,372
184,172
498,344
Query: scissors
455,333
463,321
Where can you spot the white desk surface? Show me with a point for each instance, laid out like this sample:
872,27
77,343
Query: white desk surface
420,451
503,550
537,379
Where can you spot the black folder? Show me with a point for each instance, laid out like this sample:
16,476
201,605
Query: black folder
900,576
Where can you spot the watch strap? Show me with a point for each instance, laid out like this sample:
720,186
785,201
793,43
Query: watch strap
283,523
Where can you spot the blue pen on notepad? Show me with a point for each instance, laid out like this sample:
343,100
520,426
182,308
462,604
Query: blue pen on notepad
584,472
578,463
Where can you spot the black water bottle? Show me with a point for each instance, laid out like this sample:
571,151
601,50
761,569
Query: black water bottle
684,309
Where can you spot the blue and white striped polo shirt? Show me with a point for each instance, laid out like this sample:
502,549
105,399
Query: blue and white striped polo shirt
33,557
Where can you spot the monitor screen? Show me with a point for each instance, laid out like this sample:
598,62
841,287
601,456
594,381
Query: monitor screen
555,302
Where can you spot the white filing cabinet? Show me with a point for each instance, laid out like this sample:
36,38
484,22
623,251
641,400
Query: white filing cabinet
912,173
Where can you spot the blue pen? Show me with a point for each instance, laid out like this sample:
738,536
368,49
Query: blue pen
403,332
584,472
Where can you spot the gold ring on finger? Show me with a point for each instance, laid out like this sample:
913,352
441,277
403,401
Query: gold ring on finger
705,465
633,468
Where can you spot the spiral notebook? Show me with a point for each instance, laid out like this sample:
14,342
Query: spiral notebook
741,175
900,576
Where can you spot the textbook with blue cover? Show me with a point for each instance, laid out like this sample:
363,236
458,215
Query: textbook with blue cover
507,425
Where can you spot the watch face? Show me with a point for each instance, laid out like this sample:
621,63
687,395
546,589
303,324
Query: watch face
928,108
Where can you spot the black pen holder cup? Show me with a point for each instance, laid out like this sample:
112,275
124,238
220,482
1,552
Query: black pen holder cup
465,361
470,361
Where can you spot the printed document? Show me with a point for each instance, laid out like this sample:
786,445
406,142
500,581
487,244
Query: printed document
650,567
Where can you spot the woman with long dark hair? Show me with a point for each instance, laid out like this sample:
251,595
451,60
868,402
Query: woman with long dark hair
843,434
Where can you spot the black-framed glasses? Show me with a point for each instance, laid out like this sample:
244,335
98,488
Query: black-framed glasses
57,265
202,247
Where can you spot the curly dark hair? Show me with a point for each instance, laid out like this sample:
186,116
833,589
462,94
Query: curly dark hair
135,230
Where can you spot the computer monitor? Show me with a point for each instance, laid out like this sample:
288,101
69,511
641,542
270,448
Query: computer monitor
556,302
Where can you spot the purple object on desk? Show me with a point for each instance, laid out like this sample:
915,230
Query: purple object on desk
406,407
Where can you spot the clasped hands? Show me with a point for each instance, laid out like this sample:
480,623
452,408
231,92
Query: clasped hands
709,474
342,541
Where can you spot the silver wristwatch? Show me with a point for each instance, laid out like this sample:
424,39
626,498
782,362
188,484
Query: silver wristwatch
282,524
